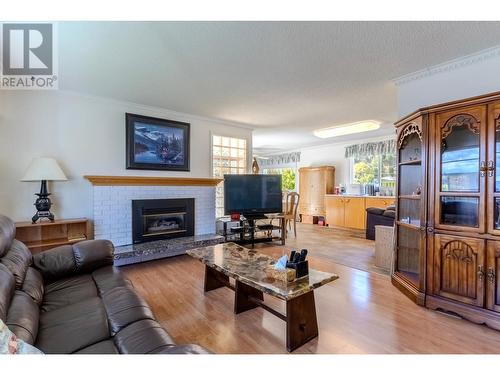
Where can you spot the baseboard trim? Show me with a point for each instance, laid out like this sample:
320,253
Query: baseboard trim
408,290
474,314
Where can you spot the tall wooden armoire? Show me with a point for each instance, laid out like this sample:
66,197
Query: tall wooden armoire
447,247
314,183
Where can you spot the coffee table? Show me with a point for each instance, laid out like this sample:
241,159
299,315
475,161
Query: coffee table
248,268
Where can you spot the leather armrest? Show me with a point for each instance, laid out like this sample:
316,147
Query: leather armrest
67,260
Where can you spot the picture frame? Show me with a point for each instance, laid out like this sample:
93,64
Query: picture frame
157,144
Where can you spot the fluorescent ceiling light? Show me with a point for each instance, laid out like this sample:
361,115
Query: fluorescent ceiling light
355,127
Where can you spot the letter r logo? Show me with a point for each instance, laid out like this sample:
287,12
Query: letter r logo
27,49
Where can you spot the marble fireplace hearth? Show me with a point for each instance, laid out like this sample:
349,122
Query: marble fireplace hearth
146,251
112,203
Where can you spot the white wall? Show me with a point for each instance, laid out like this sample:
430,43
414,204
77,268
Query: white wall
329,154
87,136
468,76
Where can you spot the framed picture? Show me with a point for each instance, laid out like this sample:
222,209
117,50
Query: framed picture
157,144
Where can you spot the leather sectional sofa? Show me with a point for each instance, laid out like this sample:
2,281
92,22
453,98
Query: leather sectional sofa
72,300
378,216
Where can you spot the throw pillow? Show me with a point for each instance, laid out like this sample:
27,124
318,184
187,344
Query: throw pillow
10,344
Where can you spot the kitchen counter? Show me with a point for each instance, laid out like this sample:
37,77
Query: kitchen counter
360,196
349,211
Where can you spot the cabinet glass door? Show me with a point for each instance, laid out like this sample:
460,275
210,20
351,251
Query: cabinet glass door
461,169
493,166
410,243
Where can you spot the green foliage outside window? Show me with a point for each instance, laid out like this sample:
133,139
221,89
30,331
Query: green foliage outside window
378,170
287,177
366,171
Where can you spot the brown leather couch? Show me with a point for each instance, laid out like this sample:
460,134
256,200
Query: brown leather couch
72,300
378,216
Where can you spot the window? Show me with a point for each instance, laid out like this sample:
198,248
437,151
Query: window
287,177
229,156
379,170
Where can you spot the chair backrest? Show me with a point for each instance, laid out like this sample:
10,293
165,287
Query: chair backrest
291,203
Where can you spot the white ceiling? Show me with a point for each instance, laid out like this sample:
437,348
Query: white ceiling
283,78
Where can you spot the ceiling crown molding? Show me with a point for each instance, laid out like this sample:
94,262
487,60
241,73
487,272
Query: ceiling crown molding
448,66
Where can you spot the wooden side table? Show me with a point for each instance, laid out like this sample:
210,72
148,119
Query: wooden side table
46,235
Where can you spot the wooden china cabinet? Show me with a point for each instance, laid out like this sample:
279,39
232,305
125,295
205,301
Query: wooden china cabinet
447,243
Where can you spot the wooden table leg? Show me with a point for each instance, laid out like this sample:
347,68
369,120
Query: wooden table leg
241,297
301,324
283,231
214,279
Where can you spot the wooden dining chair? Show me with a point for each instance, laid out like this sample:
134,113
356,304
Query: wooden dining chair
290,211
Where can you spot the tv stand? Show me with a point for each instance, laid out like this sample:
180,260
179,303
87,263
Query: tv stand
254,217
248,230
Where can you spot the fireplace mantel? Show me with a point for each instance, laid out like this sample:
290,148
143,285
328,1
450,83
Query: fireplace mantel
151,181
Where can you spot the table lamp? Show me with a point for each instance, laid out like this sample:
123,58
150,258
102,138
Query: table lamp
43,169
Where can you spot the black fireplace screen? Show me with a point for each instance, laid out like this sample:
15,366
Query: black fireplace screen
155,219
158,224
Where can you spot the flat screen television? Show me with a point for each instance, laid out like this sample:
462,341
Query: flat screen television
252,194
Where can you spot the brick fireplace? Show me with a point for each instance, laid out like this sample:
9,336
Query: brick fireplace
113,197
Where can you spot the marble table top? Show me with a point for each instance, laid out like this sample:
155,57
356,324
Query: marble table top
248,266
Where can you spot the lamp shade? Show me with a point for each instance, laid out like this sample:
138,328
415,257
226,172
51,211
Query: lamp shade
44,169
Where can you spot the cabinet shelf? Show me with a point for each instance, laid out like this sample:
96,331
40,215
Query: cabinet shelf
411,162
46,235
408,225
412,277
416,197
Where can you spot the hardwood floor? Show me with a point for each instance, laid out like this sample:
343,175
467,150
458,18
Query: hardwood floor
359,313
341,246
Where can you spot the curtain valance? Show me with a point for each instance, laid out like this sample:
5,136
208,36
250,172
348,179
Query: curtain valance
279,160
371,149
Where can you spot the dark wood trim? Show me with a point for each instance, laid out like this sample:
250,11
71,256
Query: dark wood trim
474,314
408,289
301,324
267,308
214,280
462,232
492,275
493,118
245,297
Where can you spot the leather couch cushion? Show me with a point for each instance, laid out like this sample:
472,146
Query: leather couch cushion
124,307
17,259
7,233
73,327
56,263
375,210
103,347
142,337
69,260
7,285
22,318
90,255
33,285
107,278
68,291
390,213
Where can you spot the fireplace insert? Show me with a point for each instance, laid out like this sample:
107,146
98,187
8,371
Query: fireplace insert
159,219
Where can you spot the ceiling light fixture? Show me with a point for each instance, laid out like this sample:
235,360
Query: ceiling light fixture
355,127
